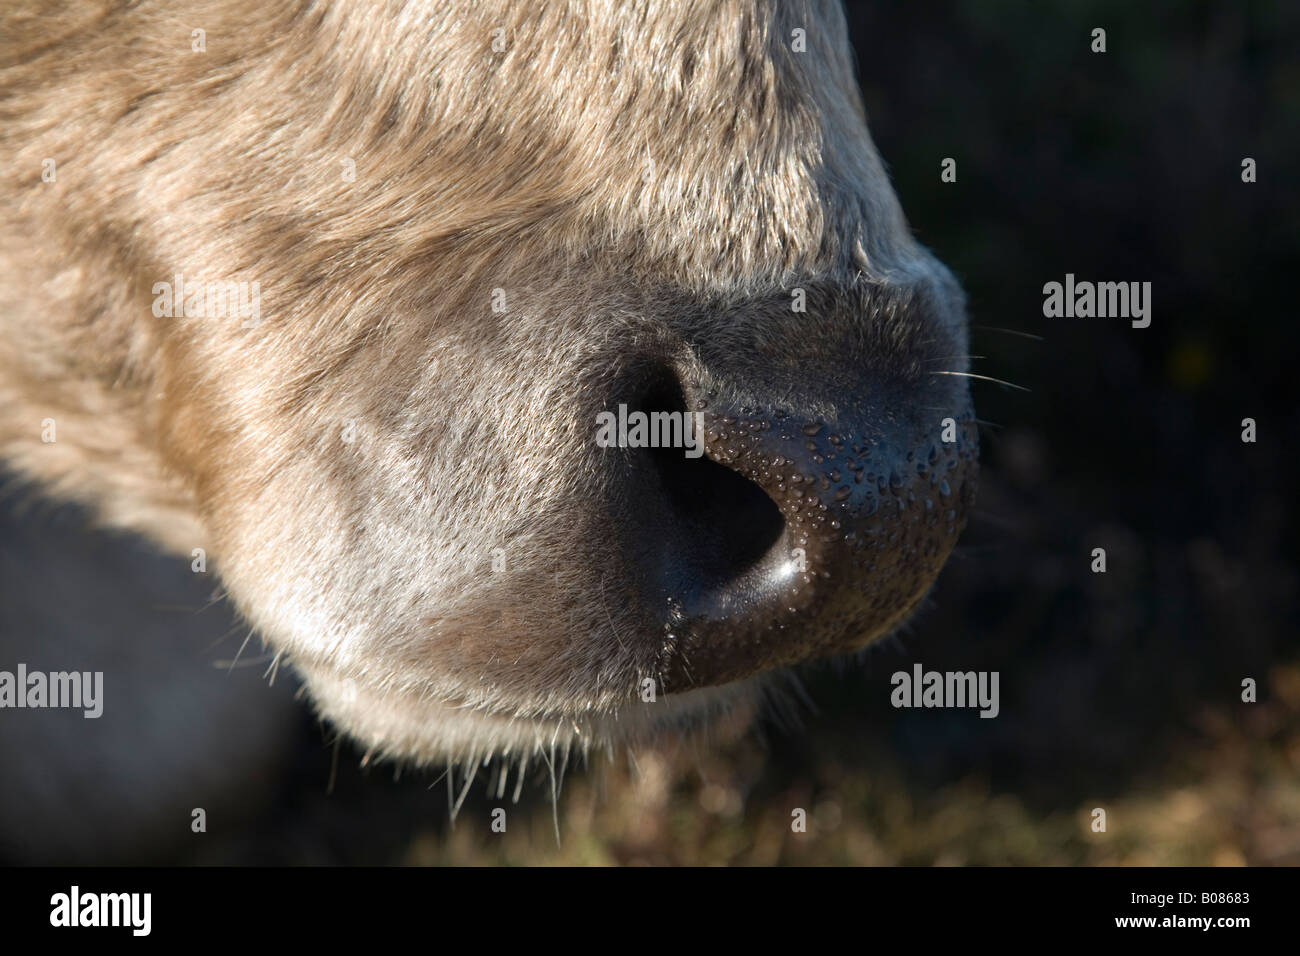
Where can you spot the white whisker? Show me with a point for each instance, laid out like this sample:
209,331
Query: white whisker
984,378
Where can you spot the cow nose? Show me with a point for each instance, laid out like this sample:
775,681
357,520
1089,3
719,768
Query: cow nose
785,536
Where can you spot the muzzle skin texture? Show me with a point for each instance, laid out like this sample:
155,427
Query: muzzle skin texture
472,228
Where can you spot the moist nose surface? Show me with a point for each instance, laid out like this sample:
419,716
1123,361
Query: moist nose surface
793,538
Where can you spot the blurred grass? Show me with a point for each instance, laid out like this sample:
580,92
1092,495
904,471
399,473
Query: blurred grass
1232,799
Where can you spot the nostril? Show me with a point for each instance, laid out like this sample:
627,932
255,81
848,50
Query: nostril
729,523
713,523
782,536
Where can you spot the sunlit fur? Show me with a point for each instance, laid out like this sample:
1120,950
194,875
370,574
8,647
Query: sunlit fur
622,171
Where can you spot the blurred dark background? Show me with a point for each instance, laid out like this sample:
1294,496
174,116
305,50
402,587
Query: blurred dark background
1119,690
1123,166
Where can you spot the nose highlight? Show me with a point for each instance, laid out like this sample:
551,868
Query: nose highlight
794,538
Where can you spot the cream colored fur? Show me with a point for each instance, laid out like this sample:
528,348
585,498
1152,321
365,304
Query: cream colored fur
620,171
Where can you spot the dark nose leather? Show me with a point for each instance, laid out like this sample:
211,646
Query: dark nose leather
870,515
840,457
794,537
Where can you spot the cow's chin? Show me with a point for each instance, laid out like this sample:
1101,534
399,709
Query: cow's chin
410,728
